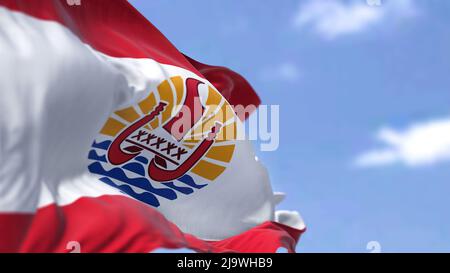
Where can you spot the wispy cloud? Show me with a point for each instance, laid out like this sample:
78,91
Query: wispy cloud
421,144
286,71
333,18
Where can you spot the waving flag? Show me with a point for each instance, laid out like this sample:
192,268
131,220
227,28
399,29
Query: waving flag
110,137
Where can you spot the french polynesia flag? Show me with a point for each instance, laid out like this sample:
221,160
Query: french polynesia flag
89,98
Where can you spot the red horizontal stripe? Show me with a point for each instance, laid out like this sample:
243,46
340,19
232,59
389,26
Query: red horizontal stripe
121,224
117,29
234,87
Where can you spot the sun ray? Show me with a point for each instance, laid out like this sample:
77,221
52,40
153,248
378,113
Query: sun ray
228,132
221,153
148,103
165,94
129,114
190,140
213,104
208,170
189,146
179,88
112,127
225,114
155,123
214,98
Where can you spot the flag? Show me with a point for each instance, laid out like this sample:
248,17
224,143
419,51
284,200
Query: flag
113,140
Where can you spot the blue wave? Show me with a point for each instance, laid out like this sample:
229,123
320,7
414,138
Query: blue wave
145,197
141,159
138,167
140,182
187,179
184,190
102,145
94,156
135,167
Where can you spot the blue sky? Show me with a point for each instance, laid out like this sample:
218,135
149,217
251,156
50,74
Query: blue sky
364,94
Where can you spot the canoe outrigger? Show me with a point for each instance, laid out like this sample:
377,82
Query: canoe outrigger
157,168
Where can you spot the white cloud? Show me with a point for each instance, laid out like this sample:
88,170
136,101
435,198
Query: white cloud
421,144
333,18
288,71
285,72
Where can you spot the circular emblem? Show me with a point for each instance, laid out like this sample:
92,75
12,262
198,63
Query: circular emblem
174,141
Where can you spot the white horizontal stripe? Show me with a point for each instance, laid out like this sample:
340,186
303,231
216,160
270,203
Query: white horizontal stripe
50,88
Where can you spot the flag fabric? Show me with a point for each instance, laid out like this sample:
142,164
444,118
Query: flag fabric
113,139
